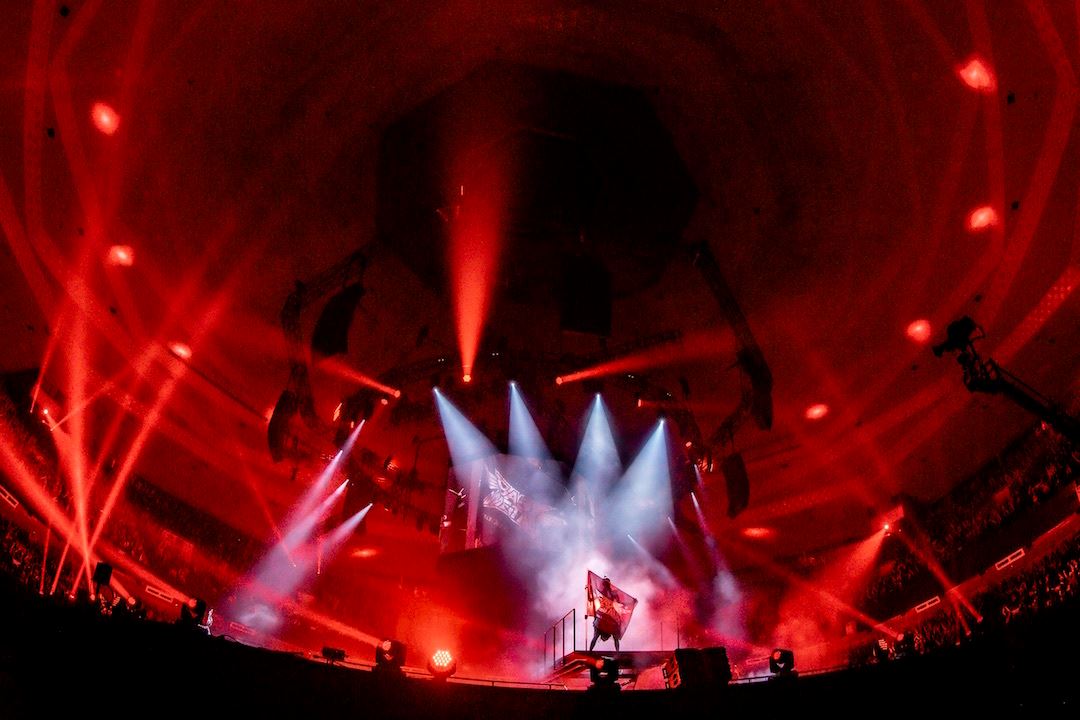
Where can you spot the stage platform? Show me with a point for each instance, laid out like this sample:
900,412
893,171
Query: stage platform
631,663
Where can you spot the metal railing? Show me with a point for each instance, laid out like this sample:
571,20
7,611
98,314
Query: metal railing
557,633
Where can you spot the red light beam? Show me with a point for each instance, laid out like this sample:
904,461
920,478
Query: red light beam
691,347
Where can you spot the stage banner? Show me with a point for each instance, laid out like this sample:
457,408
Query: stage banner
611,606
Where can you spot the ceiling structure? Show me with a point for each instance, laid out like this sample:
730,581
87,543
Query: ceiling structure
831,158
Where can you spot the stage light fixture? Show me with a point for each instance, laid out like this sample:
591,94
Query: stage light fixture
333,655
466,378
389,656
782,662
604,675
442,665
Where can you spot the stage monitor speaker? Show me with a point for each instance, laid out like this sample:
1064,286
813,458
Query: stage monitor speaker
331,336
585,296
716,660
102,574
738,484
694,668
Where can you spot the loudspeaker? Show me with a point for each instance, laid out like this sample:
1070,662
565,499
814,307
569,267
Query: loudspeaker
585,296
102,574
697,668
331,336
738,484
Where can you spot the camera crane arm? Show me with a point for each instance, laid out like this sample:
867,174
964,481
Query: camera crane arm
986,376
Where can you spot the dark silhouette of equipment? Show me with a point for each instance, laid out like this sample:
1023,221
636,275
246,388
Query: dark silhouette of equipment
604,675
738,484
782,662
390,656
585,296
987,376
693,668
333,655
331,335
756,401
102,575
277,430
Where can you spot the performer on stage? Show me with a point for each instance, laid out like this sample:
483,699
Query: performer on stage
610,607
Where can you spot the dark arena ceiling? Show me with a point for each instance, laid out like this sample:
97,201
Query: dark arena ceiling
847,170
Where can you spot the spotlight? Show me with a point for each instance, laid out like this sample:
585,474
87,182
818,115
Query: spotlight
782,662
180,350
442,665
333,655
981,218
389,656
106,120
604,675
466,378
121,256
919,331
817,411
977,76
558,380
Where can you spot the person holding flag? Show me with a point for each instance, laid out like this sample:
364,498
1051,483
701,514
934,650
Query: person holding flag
610,608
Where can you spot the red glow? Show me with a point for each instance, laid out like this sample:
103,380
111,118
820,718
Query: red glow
816,412
757,533
365,553
919,331
982,218
559,381
886,527
466,378
105,118
121,256
977,76
689,444
180,350
384,401
337,412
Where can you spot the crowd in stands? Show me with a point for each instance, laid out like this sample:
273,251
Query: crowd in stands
1053,581
1028,473
139,525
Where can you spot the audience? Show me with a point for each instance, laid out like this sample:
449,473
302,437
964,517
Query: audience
1028,473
